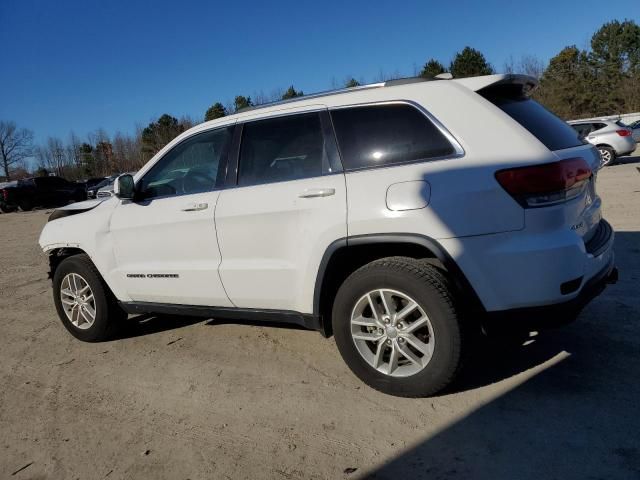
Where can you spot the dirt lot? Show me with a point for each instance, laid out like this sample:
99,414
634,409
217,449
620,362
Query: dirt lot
180,398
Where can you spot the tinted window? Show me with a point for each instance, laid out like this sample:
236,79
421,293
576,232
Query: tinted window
29,182
58,182
281,149
382,135
583,129
190,167
50,182
553,132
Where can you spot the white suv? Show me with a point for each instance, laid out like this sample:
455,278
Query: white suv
402,217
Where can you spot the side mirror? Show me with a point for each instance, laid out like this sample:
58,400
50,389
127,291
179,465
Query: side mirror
124,188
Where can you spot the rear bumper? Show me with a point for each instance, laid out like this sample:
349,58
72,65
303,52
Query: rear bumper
535,267
558,314
625,146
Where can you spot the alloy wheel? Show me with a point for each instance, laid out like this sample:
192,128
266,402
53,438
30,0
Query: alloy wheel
605,156
392,332
78,301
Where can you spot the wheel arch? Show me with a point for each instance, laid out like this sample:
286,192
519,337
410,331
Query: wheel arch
346,255
57,255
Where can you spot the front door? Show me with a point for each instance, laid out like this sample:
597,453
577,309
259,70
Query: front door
286,205
165,241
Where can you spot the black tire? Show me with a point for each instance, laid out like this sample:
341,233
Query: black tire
607,155
6,208
429,287
25,205
109,317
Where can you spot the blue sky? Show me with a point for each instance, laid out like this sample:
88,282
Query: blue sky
82,65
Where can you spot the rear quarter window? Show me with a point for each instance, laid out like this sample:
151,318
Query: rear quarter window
388,134
551,130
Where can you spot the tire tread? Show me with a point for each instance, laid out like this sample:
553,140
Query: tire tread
426,272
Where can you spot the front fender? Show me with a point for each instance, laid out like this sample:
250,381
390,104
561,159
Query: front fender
89,231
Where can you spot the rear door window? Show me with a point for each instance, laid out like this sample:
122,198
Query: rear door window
282,149
584,129
388,134
552,131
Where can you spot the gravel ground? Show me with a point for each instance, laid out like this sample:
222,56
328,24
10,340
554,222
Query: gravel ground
180,398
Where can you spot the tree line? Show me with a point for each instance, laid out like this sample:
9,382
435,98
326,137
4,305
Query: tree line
576,83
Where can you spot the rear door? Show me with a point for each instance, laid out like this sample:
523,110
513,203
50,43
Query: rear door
285,204
165,241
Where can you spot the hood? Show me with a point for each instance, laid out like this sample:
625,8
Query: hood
75,208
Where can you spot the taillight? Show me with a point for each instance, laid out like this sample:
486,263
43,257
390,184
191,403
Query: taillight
5,194
547,184
623,132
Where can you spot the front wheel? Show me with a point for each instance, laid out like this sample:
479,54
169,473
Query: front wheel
4,208
397,327
607,155
85,305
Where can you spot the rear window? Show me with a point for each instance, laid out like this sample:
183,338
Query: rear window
381,135
552,131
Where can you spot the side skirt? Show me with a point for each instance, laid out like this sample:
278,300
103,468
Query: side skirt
311,322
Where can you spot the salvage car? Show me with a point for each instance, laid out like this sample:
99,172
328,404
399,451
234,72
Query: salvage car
48,191
404,218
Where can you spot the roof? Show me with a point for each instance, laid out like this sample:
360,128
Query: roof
383,91
472,83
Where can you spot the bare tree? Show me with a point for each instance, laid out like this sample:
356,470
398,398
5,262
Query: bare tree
15,145
509,65
532,66
260,98
73,150
528,64
53,156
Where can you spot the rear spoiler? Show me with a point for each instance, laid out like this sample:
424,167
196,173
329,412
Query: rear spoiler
485,81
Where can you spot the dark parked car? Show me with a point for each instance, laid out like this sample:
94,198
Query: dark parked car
92,182
42,192
92,192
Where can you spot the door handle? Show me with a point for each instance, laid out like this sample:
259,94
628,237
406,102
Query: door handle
317,192
194,207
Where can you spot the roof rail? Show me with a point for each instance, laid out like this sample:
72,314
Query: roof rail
325,93
405,81
388,83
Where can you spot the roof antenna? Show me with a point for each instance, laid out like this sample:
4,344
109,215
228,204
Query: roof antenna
444,76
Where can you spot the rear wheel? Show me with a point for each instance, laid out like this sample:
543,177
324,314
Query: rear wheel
25,205
607,155
85,305
397,328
